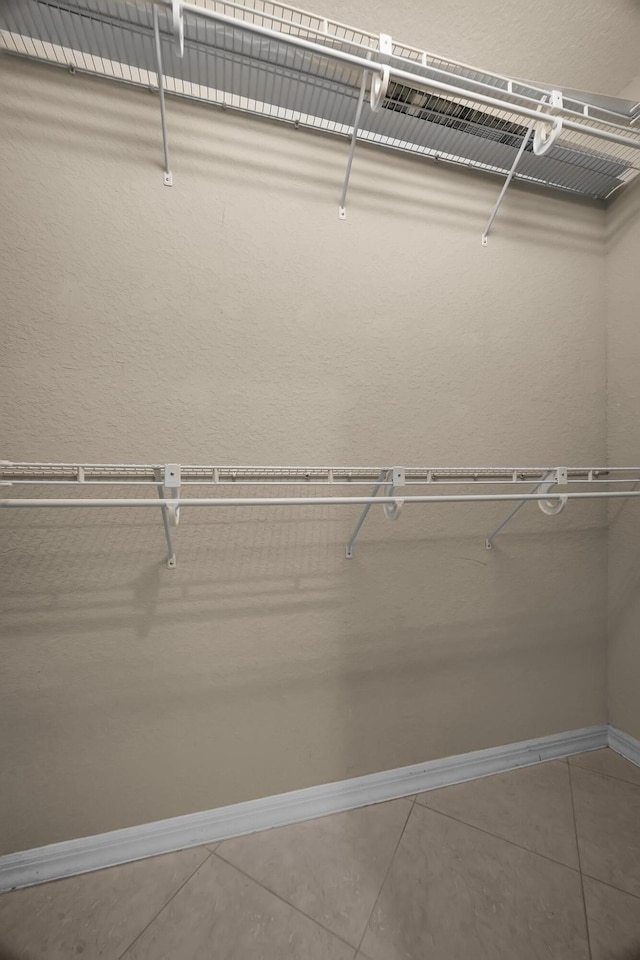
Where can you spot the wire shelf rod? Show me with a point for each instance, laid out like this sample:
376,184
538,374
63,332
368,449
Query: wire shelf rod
24,503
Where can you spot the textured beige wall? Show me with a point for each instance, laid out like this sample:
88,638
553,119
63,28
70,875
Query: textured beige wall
623,440
235,318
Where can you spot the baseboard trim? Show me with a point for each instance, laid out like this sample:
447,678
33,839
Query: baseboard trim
165,836
627,746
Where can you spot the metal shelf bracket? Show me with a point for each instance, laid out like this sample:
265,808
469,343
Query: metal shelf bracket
169,492
391,479
167,177
550,507
342,211
531,130
505,187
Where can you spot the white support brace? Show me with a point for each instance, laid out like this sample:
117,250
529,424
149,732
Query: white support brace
550,507
363,515
167,178
505,186
527,137
342,212
169,493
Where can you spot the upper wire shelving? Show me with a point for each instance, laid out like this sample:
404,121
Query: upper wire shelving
274,60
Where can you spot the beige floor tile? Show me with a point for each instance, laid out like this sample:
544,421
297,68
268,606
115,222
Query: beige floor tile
94,915
614,922
608,762
530,806
222,915
455,893
331,868
608,824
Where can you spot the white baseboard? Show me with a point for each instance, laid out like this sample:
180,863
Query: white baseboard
165,836
628,747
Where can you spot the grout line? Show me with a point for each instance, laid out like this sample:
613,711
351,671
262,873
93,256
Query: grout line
174,894
384,879
280,897
514,843
584,900
612,886
611,776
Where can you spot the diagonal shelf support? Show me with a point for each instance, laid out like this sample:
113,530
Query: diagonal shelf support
169,490
505,187
511,174
167,176
363,516
559,475
342,212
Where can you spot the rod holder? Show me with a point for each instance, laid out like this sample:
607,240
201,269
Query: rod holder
393,510
177,17
171,484
379,87
555,506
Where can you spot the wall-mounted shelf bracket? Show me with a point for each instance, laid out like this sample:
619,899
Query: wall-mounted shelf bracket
169,492
557,476
505,187
342,211
363,516
556,101
391,479
167,177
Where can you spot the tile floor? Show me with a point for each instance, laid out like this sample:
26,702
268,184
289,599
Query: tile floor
541,862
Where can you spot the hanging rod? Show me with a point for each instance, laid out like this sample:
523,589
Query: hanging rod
22,502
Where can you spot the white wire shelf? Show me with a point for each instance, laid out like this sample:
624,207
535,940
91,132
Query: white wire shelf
207,475
277,61
550,487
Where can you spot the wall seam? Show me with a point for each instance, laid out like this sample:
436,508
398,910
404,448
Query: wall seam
607,618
